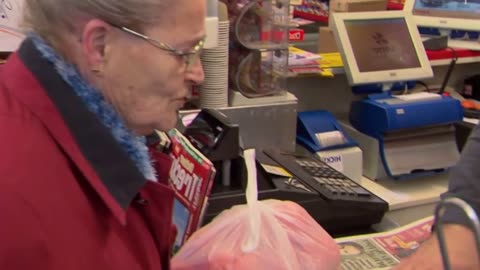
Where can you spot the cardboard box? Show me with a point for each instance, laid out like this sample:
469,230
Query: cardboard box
326,40
357,5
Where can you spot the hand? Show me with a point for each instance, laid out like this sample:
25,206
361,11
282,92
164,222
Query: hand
461,248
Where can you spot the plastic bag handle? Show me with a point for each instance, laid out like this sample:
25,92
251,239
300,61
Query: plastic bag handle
251,243
251,192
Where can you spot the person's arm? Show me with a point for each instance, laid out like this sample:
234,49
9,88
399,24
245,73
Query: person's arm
464,183
461,249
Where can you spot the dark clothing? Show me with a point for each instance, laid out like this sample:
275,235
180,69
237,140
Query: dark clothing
70,197
465,180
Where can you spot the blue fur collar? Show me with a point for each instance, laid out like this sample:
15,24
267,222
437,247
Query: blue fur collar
134,145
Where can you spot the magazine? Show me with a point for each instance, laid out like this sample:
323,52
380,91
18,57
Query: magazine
316,70
383,250
330,60
191,177
299,57
304,63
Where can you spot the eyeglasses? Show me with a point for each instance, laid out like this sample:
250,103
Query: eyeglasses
189,57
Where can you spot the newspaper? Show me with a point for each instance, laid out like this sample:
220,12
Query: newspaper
191,177
383,250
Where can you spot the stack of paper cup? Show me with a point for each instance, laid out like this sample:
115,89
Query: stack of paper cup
214,90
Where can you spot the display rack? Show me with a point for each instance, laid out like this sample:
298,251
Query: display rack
314,10
259,48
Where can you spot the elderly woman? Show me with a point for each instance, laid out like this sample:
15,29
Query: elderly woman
79,187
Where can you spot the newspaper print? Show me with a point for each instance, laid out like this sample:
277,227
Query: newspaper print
383,250
364,254
404,243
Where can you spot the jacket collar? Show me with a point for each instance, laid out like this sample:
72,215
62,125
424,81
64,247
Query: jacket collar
86,141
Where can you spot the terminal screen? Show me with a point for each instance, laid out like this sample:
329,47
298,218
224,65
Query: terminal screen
382,44
448,9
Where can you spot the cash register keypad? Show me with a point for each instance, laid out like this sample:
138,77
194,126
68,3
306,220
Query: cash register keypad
325,180
332,180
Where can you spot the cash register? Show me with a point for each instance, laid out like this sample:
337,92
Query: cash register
335,201
403,134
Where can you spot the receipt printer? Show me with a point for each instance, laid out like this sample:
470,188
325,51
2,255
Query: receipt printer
320,133
406,136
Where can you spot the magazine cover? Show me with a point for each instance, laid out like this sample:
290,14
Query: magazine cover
301,63
383,250
191,177
299,57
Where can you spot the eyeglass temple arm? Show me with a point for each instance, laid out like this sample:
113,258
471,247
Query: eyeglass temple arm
472,218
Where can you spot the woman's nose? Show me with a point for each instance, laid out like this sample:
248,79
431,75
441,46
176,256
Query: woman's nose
195,74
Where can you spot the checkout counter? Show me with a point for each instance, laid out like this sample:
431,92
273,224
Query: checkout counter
406,155
271,125
404,201
338,208
407,199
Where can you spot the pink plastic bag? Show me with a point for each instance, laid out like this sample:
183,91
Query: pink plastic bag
268,234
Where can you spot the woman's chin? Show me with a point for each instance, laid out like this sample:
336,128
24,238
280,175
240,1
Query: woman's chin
168,124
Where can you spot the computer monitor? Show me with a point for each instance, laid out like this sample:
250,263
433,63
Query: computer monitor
447,15
380,47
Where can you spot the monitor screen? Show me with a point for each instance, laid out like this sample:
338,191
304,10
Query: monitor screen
385,40
380,47
461,16
450,14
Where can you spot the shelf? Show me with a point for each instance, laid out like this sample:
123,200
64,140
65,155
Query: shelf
443,57
310,16
394,6
464,60
471,57
324,18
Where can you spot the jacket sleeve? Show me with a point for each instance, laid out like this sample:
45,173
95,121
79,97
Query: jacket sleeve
464,180
22,240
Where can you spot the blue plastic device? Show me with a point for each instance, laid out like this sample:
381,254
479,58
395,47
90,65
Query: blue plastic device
312,122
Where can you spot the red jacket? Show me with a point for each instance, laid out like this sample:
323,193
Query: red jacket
70,197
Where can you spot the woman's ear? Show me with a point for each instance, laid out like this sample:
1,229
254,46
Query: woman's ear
95,43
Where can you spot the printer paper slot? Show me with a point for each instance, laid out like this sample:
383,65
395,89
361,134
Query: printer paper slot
320,131
331,138
418,132
420,150
421,96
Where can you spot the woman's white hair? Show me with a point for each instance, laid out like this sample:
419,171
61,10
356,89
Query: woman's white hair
51,19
